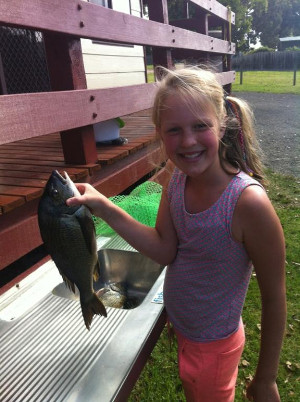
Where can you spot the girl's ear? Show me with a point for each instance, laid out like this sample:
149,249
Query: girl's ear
222,132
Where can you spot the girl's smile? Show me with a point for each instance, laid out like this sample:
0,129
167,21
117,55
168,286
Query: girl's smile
191,141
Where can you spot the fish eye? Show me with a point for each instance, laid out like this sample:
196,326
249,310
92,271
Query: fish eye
54,193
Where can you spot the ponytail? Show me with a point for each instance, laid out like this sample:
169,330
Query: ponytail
239,145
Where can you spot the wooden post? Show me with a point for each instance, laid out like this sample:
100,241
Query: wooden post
66,70
241,69
295,69
158,11
3,89
226,35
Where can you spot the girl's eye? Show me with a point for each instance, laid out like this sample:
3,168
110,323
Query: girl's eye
200,126
172,130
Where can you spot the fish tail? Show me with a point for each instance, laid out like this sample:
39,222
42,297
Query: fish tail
90,308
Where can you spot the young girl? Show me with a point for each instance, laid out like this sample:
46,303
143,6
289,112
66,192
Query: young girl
214,221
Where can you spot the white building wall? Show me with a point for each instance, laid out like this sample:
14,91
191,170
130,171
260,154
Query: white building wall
109,65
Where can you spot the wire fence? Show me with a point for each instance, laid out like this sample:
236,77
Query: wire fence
24,67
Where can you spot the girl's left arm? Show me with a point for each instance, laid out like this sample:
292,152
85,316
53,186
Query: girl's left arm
264,241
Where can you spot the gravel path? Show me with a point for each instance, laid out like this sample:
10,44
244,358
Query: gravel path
278,129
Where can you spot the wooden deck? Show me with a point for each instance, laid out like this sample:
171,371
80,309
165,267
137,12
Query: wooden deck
25,167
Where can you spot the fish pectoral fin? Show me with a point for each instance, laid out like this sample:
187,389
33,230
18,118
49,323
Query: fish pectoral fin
90,308
85,220
96,273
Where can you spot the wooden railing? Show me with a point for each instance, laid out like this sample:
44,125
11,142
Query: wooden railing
72,109
63,23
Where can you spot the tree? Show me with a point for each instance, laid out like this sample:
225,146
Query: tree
279,19
243,20
255,20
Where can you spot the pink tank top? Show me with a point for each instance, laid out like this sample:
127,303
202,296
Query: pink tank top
206,285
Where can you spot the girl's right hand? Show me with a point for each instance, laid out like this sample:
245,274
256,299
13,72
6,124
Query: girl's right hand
90,197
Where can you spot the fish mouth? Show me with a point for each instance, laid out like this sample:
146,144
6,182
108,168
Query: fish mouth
66,181
56,174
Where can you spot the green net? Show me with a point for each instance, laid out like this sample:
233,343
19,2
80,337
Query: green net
142,204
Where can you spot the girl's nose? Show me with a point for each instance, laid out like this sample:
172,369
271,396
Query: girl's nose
188,138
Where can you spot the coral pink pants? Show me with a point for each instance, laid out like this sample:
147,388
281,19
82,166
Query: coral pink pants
208,371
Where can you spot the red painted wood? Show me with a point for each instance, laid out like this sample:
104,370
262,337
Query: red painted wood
79,145
158,11
22,174
65,62
9,202
11,158
29,162
23,275
97,22
3,89
40,170
28,193
28,117
19,231
114,179
31,115
215,8
22,182
66,70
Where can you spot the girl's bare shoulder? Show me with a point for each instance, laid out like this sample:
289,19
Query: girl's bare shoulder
254,213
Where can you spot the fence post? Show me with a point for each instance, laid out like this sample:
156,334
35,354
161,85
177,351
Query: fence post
295,69
241,70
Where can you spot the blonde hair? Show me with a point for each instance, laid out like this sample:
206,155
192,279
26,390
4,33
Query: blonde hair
200,88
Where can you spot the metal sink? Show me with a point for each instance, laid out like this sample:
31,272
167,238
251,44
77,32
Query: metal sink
64,362
129,271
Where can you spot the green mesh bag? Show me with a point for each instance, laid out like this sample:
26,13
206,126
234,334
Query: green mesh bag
142,204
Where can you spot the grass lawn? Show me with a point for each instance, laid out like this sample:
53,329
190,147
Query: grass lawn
267,81
260,81
159,380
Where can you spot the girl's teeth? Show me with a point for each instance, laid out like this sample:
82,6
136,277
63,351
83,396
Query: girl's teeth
191,156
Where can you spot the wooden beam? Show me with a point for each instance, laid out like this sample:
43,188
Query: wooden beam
31,115
86,20
64,61
79,145
66,70
3,89
215,8
158,11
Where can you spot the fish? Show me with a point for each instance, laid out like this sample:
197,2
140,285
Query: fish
113,295
68,233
